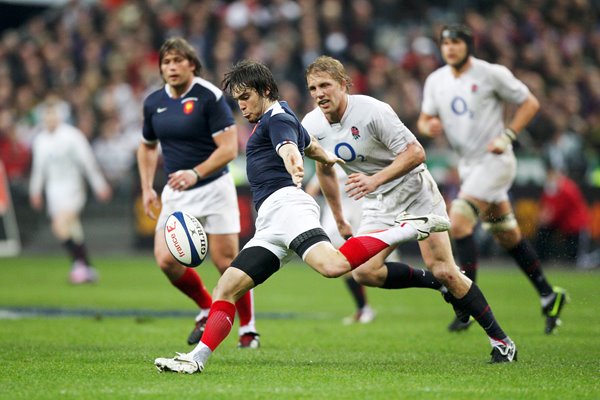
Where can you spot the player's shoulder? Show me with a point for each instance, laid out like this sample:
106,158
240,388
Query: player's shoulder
205,88
71,131
280,111
442,73
362,107
485,67
313,118
155,96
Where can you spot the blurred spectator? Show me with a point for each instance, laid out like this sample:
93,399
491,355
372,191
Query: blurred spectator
563,231
14,154
102,56
115,151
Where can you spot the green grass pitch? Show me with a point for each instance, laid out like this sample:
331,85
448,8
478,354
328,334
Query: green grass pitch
306,353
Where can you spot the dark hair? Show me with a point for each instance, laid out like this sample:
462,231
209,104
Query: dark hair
458,31
180,46
249,74
331,66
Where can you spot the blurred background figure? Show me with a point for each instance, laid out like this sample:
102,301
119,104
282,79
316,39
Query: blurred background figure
62,160
563,231
352,212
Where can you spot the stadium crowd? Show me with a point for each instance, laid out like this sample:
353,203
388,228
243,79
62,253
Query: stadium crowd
101,58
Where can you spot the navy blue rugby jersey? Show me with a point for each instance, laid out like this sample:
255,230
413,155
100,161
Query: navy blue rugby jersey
185,126
265,169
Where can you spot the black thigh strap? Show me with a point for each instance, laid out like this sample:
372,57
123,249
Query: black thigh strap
303,241
258,262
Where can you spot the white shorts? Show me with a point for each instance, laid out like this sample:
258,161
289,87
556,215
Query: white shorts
65,198
283,216
417,195
488,178
214,204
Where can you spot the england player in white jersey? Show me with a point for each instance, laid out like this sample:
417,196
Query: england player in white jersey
464,100
62,161
384,161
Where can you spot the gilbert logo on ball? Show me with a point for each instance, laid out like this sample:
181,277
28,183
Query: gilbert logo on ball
186,239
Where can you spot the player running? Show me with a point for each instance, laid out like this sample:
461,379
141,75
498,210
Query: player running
385,167
464,100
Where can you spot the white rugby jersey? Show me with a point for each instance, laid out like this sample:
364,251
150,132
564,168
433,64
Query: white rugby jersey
60,161
368,138
471,106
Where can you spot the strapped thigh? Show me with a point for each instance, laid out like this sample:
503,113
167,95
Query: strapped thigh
257,262
307,239
504,223
465,208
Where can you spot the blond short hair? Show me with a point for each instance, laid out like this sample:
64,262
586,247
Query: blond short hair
330,66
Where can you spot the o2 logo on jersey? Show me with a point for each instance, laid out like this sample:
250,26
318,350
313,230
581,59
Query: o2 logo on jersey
346,152
459,106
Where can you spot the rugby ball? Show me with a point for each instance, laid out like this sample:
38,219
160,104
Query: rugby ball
186,239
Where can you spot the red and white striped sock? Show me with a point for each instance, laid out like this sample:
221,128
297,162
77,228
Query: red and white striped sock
359,249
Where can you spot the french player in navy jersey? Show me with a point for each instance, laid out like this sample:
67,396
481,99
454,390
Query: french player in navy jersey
191,120
288,218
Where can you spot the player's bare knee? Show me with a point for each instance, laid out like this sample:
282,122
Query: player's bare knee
443,272
363,276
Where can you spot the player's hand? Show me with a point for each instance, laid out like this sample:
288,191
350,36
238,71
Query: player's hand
104,195
329,159
345,229
501,142
359,185
182,179
298,175
434,127
36,201
150,201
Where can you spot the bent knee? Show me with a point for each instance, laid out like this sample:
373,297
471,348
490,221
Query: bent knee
444,272
333,269
459,231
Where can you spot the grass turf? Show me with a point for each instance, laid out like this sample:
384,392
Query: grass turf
306,352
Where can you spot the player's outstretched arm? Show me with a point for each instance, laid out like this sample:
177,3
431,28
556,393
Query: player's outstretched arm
315,151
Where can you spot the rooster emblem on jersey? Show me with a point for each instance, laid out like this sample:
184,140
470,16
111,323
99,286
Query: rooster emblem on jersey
355,133
188,107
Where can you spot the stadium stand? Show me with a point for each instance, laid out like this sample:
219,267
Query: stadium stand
101,56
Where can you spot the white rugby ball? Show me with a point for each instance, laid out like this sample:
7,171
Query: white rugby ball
186,239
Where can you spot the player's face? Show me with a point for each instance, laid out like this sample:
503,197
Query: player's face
454,51
251,104
177,70
329,94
